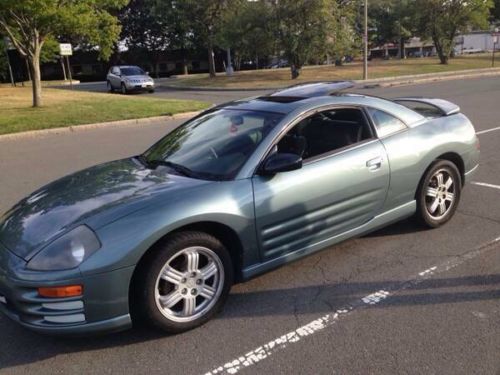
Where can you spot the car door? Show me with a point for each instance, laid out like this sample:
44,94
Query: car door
115,77
337,189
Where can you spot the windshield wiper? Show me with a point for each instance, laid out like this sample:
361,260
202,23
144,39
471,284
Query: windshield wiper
185,171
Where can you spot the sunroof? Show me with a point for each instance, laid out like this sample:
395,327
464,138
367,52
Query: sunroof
310,90
280,99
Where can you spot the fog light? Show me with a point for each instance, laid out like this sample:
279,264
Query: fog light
61,291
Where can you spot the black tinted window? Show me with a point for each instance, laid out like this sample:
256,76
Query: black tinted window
132,71
326,131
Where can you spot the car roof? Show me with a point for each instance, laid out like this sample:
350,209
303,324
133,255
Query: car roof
302,98
126,66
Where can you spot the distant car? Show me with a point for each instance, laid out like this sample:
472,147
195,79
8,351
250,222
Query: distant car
127,78
239,190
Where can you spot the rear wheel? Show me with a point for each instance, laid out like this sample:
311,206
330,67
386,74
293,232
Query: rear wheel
439,194
184,283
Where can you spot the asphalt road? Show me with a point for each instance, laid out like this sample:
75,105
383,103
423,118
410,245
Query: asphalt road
401,300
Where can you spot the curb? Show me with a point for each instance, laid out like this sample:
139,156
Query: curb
426,78
216,89
99,125
371,83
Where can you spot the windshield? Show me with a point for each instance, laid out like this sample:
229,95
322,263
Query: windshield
213,146
132,71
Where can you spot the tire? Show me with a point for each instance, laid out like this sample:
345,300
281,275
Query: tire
123,89
110,86
439,193
151,91
170,290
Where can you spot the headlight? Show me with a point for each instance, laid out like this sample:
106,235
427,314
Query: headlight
68,251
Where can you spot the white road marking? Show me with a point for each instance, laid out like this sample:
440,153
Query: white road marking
488,130
428,271
265,351
485,185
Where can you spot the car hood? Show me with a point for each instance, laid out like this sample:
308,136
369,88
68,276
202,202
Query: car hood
94,196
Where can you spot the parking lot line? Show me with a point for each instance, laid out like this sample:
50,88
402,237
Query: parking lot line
265,351
488,130
485,185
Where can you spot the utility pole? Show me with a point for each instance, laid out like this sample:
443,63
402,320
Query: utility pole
365,39
495,41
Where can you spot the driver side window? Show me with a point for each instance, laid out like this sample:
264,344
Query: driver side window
325,132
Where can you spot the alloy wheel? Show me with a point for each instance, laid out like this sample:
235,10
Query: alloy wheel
440,194
189,284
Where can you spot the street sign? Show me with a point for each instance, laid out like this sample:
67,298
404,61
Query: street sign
65,49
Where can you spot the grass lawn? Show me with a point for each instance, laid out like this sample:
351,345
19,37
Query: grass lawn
377,68
65,108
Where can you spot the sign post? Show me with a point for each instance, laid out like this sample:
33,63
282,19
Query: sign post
66,50
496,37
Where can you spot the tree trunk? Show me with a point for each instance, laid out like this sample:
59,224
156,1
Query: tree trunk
211,61
36,79
443,57
295,70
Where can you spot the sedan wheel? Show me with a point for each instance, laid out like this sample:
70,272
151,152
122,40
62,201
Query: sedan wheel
183,283
439,193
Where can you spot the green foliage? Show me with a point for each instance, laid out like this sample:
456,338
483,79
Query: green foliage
89,20
50,50
389,21
495,11
249,30
31,23
311,29
443,20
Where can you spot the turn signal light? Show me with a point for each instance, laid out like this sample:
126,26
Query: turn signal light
61,291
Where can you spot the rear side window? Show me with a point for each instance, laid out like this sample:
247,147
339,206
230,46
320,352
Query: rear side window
385,123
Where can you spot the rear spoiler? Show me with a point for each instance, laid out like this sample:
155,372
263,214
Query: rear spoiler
447,108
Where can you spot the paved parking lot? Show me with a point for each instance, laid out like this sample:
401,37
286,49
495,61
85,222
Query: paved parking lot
401,300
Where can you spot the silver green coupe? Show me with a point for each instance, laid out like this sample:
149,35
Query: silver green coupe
241,189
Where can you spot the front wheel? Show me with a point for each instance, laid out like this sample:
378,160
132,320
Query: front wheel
124,90
182,284
439,194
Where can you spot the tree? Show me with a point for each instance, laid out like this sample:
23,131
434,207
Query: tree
495,11
391,20
146,28
307,29
181,35
4,67
248,30
442,20
206,19
29,24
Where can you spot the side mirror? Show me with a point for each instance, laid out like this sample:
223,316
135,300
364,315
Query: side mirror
147,73
281,162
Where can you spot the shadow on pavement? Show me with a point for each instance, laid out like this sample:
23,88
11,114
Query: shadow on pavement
20,347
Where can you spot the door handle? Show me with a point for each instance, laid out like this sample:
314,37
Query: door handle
375,163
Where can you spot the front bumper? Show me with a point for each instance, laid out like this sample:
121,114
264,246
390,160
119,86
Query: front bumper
103,307
140,86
